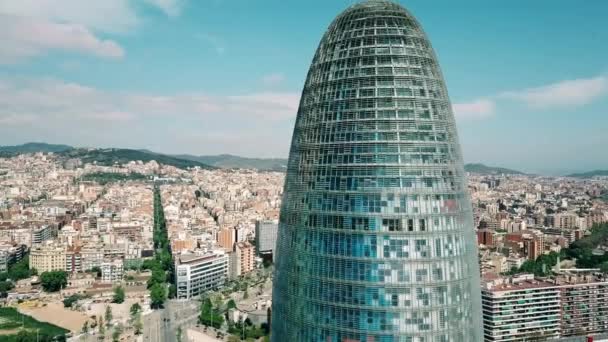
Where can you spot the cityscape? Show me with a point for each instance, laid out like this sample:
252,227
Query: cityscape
366,221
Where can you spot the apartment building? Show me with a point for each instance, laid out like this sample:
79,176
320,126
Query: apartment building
48,257
92,256
112,271
523,308
43,233
73,260
198,273
266,237
565,220
226,238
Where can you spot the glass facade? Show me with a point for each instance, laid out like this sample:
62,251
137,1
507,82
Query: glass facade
376,240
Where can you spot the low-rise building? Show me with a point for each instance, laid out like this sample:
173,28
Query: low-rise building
111,271
48,257
197,273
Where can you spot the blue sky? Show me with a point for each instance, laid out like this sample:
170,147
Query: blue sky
528,79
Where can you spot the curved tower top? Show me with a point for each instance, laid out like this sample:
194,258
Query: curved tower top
376,239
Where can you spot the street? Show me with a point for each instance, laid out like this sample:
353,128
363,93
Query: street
161,325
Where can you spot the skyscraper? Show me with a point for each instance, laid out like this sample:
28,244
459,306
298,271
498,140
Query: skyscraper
376,240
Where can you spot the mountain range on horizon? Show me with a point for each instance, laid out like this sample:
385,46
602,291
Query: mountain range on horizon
110,156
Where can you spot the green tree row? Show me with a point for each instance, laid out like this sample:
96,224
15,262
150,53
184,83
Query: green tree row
162,266
109,177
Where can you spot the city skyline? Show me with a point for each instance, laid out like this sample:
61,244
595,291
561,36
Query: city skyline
326,171
172,68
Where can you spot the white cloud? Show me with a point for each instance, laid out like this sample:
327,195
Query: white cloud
25,37
188,122
478,109
113,16
563,94
568,93
30,28
273,79
57,100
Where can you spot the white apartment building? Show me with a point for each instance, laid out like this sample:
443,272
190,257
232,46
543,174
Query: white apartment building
92,256
197,273
526,309
4,260
111,271
43,233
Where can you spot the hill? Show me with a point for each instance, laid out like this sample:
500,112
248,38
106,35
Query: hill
34,147
108,156
227,161
111,156
490,170
590,174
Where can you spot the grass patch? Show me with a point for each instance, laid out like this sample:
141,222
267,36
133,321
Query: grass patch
18,324
105,177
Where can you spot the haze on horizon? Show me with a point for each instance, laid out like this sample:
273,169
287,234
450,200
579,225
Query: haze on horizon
183,76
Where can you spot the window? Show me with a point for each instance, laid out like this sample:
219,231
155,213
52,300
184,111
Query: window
404,92
386,92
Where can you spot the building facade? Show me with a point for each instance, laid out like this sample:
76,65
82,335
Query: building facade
266,237
196,274
43,233
112,271
73,260
4,257
48,257
245,256
520,311
226,238
376,239
526,309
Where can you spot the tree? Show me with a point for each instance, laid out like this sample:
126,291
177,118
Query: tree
135,308
158,276
116,333
5,286
119,295
157,295
137,324
172,291
20,270
604,267
69,301
149,264
96,270
54,281
102,327
179,334
85,327
231,304
108,315
210,316
245,294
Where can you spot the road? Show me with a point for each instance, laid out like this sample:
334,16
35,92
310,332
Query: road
161,325
151,323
